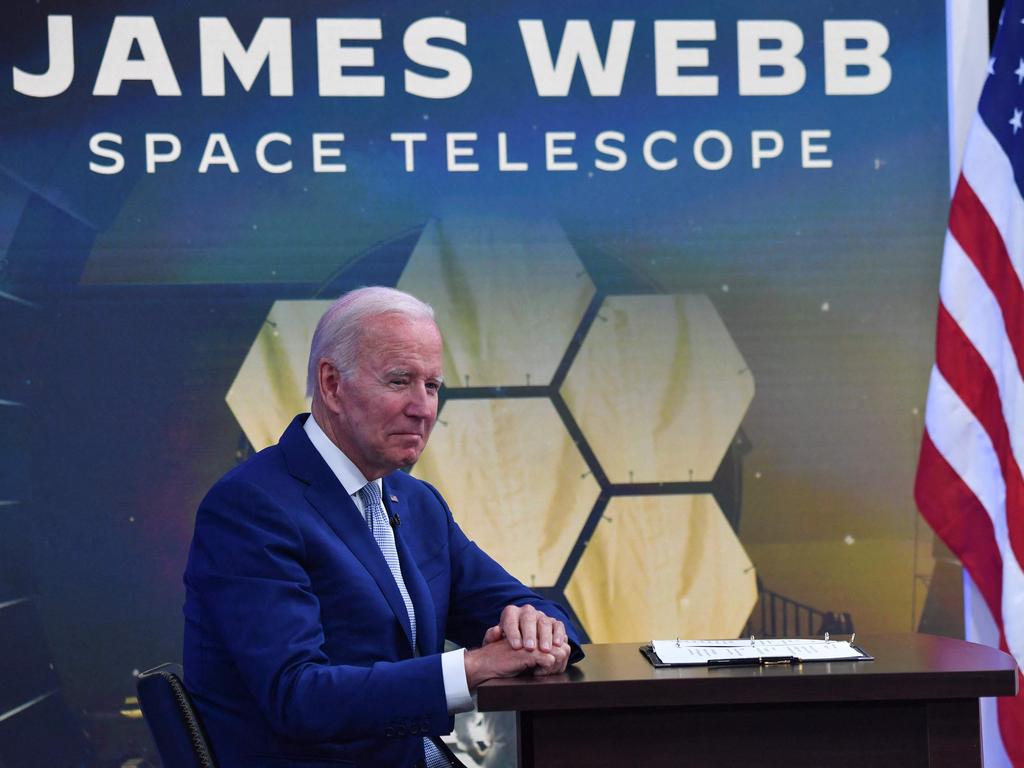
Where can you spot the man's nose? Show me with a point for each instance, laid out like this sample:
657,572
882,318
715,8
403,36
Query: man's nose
421,403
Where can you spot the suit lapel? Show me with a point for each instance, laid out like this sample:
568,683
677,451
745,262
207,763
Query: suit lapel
328,497
419,592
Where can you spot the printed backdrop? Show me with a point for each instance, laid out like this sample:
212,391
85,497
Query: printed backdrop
685,259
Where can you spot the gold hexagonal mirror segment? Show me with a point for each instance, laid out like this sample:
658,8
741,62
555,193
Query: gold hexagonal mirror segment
270,387
659,567
514,480
508,296
658,388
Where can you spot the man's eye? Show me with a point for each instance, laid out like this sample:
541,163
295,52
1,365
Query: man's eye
399,382
433,386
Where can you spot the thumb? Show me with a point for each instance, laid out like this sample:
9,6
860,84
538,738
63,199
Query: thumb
492,635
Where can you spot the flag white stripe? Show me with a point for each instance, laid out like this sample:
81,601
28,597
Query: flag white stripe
980,627
967,298
987,169
965,445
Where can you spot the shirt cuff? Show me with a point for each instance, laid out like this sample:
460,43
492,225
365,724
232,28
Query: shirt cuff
456,687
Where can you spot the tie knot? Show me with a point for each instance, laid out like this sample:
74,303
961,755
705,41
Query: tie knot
369,494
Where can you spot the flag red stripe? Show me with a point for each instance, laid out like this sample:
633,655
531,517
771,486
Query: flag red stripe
969,376
977,234
959,519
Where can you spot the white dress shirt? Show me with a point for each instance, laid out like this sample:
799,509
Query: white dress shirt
453,665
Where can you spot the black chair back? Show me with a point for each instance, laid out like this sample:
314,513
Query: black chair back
173,722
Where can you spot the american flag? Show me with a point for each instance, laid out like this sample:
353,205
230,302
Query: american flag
969,484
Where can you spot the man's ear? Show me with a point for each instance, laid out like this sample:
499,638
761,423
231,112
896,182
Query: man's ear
329,385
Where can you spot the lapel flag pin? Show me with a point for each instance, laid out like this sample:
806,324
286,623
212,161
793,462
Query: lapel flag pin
394,498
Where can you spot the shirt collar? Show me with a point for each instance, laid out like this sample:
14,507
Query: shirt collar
348,474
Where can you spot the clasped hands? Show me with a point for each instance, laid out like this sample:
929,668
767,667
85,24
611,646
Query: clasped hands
523,639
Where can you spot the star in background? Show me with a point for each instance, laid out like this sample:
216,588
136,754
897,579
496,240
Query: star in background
992,65
1015,121
1019,72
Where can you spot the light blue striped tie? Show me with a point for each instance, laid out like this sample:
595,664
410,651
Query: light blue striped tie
380,527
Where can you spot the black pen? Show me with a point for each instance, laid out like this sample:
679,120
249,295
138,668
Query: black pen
758,662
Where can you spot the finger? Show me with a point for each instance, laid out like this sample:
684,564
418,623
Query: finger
562,653
492,635
558,636
510,626
561,656
528,626
544,632
547,664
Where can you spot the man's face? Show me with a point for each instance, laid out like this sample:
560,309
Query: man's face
383,414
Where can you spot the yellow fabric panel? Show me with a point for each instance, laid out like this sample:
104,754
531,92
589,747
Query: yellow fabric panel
514,480
659,567
658,388
508,296
270,387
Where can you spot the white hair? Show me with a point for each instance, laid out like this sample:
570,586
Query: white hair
339,332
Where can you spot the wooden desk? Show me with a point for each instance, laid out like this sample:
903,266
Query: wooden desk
915,705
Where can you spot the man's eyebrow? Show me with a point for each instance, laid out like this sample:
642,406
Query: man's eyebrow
401,372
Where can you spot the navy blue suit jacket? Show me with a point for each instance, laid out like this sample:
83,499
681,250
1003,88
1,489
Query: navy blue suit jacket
298,649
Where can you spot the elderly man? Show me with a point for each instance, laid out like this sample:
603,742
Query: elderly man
321,582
